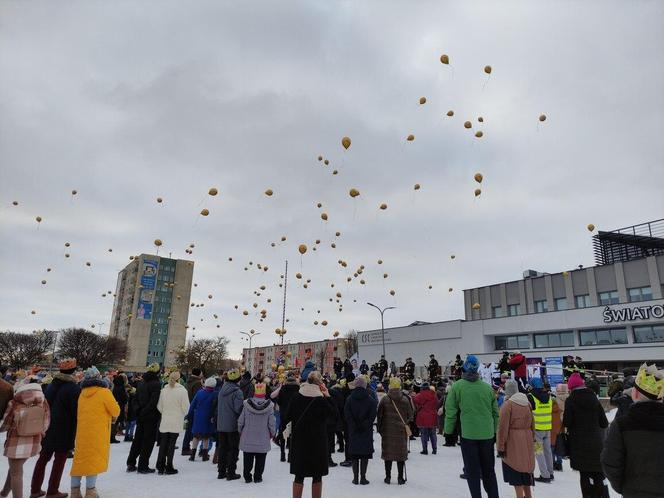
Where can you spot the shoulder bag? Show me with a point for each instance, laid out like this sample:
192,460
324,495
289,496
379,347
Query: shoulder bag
409,433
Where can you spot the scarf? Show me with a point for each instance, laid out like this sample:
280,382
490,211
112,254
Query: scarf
310,390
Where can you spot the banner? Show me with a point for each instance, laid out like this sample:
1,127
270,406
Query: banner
149,274
554,370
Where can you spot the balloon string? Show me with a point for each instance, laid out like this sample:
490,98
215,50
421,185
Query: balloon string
487,81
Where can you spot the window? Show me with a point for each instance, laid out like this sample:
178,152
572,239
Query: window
511,342
541,306
513,310
649,333
561,303
554,339
602,337
639,294
608,298
497,311
582,301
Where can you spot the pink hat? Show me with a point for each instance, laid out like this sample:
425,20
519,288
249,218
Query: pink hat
575,380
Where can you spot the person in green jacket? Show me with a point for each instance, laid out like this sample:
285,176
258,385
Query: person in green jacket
475,403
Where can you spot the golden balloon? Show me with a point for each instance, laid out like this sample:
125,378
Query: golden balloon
542,117
38,218
591,227
445,59
450,113
392,293
326,162
416,186
410,138
423,100
157,242
468,125
213,191
302,248
159,200
269,192
205,212
383,206
478,192
476,306
354,192
345,141
487,69
480,119
479,134
323,216
478,177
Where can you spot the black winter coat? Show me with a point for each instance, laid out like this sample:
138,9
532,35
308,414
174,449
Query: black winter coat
339,402
62,396
360,413
634,451
147,397
623,402
309,452
584,419
286,393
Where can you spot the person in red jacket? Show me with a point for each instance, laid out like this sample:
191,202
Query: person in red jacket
518,364
426,418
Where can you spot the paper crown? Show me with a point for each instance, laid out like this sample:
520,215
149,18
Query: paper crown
259,390
67,364
233,374
650,381
154,367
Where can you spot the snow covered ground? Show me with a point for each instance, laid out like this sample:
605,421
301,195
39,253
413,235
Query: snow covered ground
428,476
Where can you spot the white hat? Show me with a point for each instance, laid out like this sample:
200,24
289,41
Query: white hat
211,382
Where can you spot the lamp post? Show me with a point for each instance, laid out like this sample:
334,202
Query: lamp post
382,321
251,334
100,325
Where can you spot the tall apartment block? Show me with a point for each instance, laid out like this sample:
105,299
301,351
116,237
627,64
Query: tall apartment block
151,309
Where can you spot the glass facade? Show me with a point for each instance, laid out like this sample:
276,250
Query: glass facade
554,339
602,337
161,312
514,309
606,298
511,342
561,303
639,294
582,301
541,306
649,333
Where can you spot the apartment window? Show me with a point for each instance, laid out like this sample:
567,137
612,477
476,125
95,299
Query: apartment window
554,339
497,311
602,337
541,306
606,298
639,294
561,303
649,333
582,301
513,309
511,342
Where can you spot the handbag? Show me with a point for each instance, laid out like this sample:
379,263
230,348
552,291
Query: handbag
562,445
409,433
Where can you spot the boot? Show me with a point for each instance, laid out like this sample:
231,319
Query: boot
558,466
215,456
317,489
400,468
364,463
75,493
91,493
356,471
205,456
388,472
297,490
186,452
331,463
192,456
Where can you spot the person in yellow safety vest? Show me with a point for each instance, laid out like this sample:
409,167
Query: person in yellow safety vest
541,403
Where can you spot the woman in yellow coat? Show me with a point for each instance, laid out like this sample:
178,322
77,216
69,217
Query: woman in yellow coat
96,409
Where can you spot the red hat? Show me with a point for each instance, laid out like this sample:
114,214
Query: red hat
67,364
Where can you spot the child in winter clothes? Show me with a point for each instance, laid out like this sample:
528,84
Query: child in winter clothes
201,412
257,426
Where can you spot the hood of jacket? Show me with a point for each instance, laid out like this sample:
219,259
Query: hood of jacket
647,415
470,376
62,377
28,394
257,405
359,394
228,388
541,395
85,392
395,393
519,399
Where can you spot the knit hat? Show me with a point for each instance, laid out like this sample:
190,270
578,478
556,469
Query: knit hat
67,364
472,364
536,383
92,373
233,375
650,381
511,388
259,390
575,380
210,382
154,367
395,383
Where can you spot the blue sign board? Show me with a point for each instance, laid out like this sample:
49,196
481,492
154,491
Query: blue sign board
149,274
554,370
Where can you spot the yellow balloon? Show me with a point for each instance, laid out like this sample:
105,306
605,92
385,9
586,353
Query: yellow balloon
157,242
479,134
450,113
205,212
323,216
477,192
269,192
487,69
468,125
478,177
345,141
423,100
445,59
416,186
213,191
302,248
354,192
542,117
565,274
383,206
410,138
476,306
591,227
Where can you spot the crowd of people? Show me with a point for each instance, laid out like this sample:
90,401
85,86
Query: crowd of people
310,416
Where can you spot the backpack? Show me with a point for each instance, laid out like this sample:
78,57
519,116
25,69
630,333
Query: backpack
30,420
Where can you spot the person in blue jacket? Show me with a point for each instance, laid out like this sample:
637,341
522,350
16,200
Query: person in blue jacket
201,413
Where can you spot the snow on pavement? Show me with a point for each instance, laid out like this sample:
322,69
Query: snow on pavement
428,476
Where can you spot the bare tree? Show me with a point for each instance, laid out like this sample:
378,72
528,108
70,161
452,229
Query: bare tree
24,350
89,348
207,354
350,341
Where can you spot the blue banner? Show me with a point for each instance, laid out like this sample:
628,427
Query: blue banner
554,370
144,310
149,274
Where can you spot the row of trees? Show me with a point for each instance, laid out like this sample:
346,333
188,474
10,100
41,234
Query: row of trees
210,355
25,350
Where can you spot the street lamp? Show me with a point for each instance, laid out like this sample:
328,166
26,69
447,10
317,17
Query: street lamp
382,321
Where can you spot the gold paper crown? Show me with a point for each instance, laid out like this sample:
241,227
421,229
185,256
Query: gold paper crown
650,381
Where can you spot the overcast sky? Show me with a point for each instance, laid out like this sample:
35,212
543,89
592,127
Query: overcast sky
129,101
